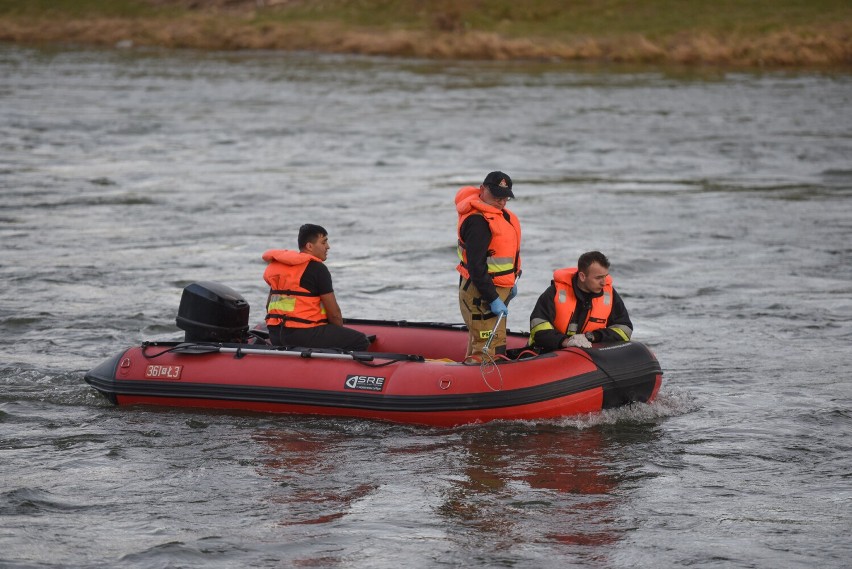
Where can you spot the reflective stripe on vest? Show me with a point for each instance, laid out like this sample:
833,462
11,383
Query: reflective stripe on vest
289,303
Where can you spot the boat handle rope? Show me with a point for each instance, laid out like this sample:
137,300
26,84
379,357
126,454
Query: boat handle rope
366,359
580,352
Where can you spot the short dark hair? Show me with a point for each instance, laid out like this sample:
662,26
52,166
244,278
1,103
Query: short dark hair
586,259
309,233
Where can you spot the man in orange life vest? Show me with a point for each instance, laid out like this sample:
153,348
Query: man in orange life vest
301,308
489,249
580,307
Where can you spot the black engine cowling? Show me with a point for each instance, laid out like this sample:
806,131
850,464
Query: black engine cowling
212,312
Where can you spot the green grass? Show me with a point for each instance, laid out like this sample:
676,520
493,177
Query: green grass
559,18
724,32
84,9
514,18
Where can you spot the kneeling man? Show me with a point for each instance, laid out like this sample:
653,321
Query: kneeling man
580,307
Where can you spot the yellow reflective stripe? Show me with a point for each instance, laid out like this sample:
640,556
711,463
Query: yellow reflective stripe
538,328
500,264
621,333
282,303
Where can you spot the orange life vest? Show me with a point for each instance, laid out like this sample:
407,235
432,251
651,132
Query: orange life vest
297,306
565,301
504,251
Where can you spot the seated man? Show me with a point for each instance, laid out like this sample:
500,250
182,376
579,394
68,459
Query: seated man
301,308
580,307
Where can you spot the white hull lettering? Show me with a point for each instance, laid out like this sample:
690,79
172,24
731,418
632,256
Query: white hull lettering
162,372
365,382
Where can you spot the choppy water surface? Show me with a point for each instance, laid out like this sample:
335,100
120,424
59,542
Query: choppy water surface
723,201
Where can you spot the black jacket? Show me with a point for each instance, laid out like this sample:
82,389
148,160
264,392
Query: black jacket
545,311
476,234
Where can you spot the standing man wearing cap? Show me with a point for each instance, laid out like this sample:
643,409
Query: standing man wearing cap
489,248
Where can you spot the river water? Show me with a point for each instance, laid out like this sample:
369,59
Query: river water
722,200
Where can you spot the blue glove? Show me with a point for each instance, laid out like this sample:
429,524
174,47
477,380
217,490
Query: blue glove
499,307
512,293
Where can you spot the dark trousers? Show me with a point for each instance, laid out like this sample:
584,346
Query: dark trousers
327,336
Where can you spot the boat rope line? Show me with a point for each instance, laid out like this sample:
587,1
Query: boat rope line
488,365
363,358
586,355
181,348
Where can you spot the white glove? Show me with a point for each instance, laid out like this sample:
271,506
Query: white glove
579,341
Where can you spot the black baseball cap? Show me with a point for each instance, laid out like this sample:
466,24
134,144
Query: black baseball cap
500,184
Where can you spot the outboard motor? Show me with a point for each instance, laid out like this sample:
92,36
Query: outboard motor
212,312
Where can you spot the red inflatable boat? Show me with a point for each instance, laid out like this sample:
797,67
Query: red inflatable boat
412,372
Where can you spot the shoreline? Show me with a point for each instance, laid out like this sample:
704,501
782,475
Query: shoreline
828,48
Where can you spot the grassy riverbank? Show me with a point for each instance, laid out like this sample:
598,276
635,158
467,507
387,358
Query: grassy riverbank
765,33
